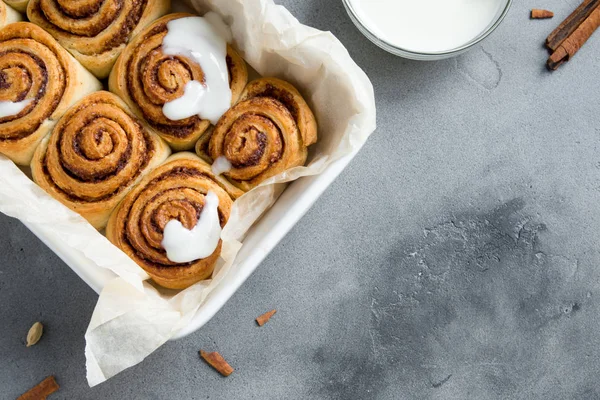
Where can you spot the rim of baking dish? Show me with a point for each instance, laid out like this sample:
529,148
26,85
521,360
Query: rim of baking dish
424,56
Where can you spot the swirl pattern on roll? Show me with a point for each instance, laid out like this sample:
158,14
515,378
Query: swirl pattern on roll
95,31
147,79
265,134
34,68
97,151
175,190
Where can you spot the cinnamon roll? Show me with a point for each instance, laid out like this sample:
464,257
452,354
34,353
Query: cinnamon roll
177,190
147,79
266,133
39,81
95,31
19,5
8,15
95,154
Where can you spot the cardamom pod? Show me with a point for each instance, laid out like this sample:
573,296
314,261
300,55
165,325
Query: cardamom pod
35,334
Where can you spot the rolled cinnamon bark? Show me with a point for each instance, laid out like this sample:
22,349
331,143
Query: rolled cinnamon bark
265,134
570,24
175,190
95,154
95,31
19,5
8,15
147,79
573,43
35,69
537,13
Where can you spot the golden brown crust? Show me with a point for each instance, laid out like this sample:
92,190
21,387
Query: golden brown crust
175,190
147,79
8,15
265,134
95,154
95,31
34,66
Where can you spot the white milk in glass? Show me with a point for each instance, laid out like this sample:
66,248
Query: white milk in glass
427,26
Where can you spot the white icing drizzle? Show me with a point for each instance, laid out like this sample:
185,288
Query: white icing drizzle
9,108
204,41
183,245
221,166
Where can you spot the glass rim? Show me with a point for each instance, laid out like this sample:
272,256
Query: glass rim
419,55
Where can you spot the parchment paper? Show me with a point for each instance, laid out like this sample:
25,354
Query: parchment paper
133,318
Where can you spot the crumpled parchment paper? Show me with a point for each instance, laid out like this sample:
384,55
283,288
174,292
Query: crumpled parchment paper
133,318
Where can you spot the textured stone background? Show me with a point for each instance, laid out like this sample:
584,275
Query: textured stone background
456,258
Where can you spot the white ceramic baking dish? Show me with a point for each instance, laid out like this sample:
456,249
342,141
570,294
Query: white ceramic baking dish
293,204
296,200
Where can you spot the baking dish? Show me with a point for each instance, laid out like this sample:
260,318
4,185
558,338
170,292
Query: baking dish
263,236
297,199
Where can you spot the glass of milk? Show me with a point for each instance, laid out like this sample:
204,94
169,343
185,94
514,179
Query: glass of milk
427,29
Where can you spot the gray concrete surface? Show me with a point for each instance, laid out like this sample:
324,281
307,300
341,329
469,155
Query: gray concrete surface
456,258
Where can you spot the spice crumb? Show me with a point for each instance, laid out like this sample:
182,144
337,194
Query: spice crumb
35,334
263,319
217,361
42,390
541,14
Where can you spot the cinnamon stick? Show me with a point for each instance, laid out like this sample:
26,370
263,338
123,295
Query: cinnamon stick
263,319
541,14
569,25
42,390
217,361
575,41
